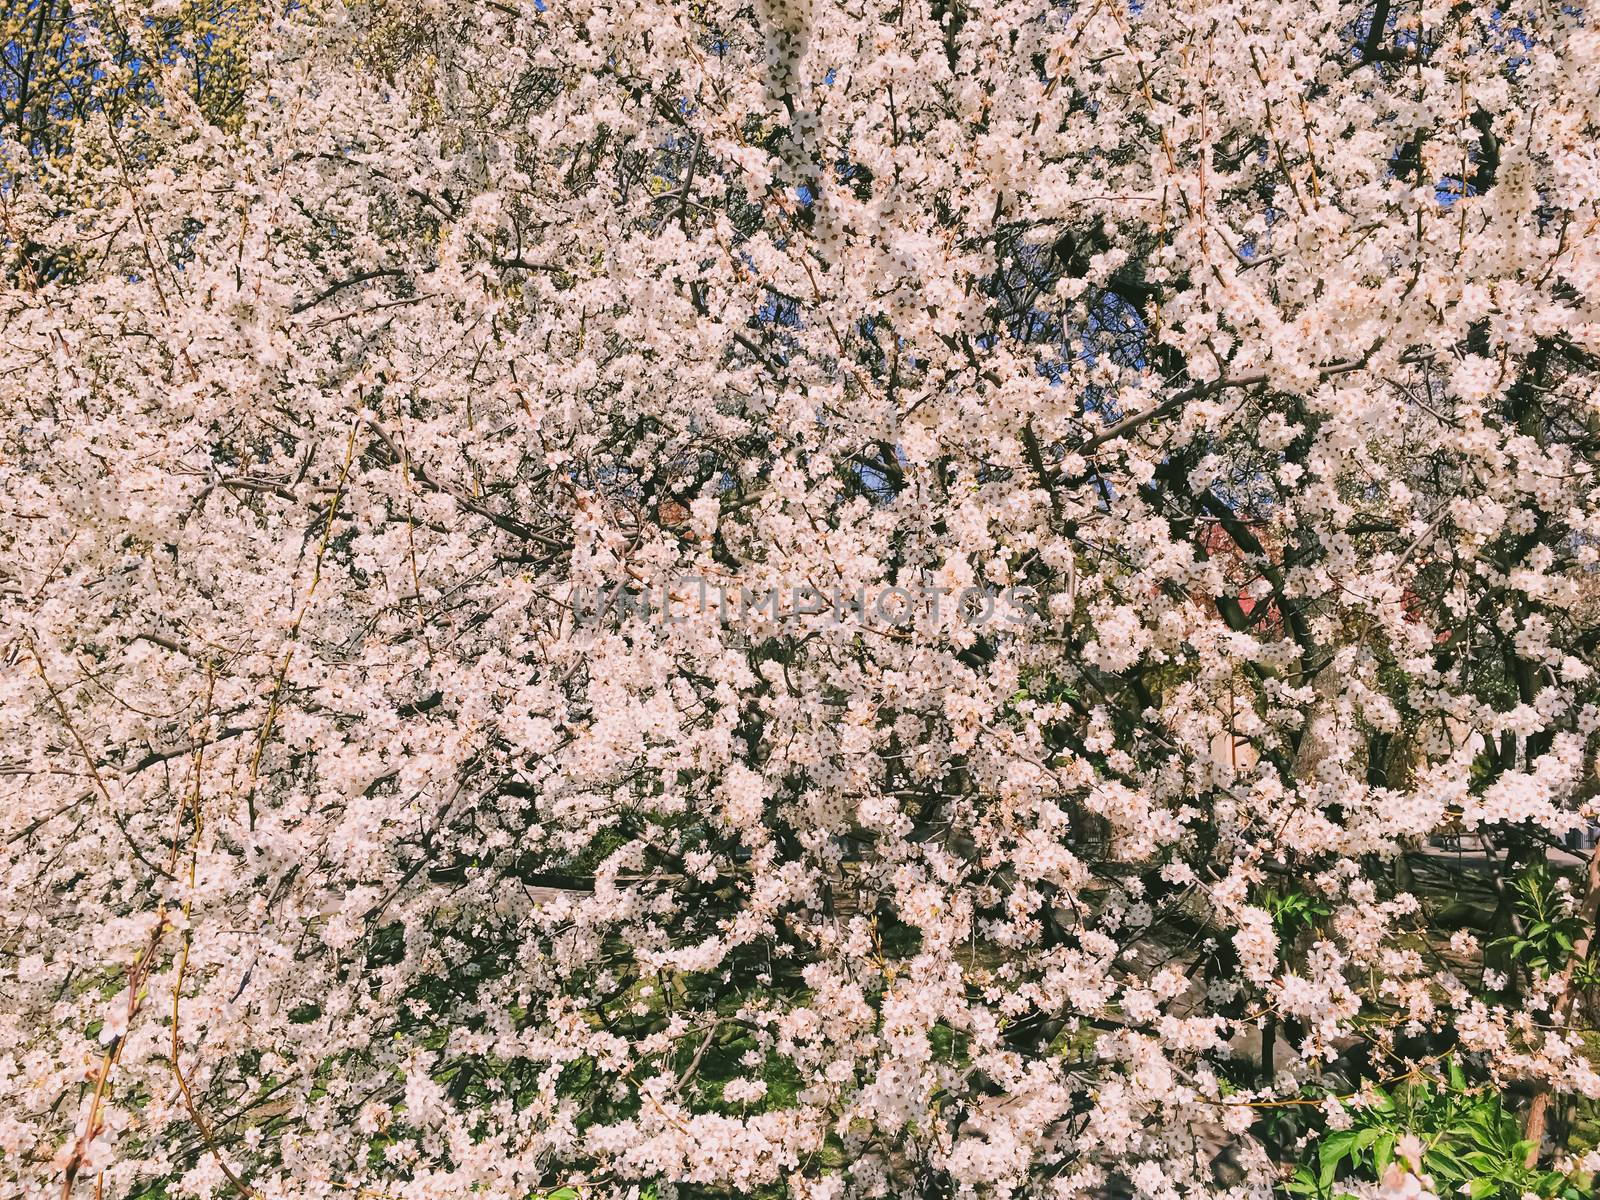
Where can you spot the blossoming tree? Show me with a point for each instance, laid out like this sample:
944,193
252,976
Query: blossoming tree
352,352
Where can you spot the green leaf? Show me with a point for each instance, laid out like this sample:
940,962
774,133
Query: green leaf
1333,1149
1383,1152
1441,1160
1302,1184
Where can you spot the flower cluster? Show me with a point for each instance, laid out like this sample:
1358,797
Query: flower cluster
352,347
